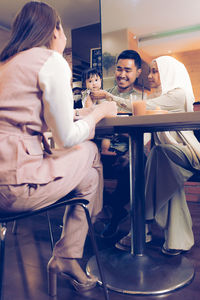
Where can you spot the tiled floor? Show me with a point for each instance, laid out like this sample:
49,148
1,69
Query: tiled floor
28,252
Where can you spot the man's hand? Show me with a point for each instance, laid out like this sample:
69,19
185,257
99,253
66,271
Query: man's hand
100,94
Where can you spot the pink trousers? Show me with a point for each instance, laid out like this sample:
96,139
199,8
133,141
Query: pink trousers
84,174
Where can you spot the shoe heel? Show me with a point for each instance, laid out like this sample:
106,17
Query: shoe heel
52,283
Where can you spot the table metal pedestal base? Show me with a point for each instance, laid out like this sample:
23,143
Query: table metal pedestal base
152,273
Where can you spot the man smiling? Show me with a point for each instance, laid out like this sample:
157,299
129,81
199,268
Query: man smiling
128,69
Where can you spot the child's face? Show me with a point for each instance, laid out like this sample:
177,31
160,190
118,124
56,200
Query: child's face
93,83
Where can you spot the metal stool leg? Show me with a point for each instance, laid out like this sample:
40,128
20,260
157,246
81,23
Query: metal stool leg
3,230
50,231
91,231
14,228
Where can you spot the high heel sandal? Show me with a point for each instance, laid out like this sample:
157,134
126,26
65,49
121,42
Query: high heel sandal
53,269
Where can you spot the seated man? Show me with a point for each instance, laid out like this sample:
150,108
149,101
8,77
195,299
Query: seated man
128,69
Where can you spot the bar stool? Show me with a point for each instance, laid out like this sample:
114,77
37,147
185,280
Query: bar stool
5,218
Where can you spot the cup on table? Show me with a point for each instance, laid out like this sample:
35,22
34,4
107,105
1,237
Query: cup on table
138,106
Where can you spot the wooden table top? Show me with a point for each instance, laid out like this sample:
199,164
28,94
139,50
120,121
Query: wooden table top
150,123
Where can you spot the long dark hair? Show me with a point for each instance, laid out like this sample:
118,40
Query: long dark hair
32,27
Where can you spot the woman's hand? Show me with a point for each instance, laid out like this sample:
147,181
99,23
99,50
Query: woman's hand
109,109
105,109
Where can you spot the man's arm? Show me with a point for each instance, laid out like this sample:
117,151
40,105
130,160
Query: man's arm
121,102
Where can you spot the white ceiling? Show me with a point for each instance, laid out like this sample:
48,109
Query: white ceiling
143,17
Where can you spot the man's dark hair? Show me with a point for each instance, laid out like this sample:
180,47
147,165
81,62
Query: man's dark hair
131,54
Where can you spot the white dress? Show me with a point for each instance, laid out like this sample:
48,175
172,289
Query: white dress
170,163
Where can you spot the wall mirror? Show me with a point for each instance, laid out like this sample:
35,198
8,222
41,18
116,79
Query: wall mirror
152,28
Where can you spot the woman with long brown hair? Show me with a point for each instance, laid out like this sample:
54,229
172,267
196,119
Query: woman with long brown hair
36,95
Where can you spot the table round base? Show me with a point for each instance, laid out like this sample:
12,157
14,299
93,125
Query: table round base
152,273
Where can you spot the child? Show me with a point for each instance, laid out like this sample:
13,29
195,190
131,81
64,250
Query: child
91,81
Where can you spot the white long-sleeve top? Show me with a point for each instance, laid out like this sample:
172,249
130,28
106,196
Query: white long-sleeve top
175,101
55,82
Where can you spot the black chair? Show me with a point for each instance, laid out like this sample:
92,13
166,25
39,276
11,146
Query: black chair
5,218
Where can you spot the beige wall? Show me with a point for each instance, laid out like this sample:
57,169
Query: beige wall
191,60
115,42
133,44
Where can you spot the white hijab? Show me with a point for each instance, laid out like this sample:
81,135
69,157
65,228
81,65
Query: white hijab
173,74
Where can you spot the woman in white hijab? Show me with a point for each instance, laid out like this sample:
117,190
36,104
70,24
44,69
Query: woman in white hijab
172,160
